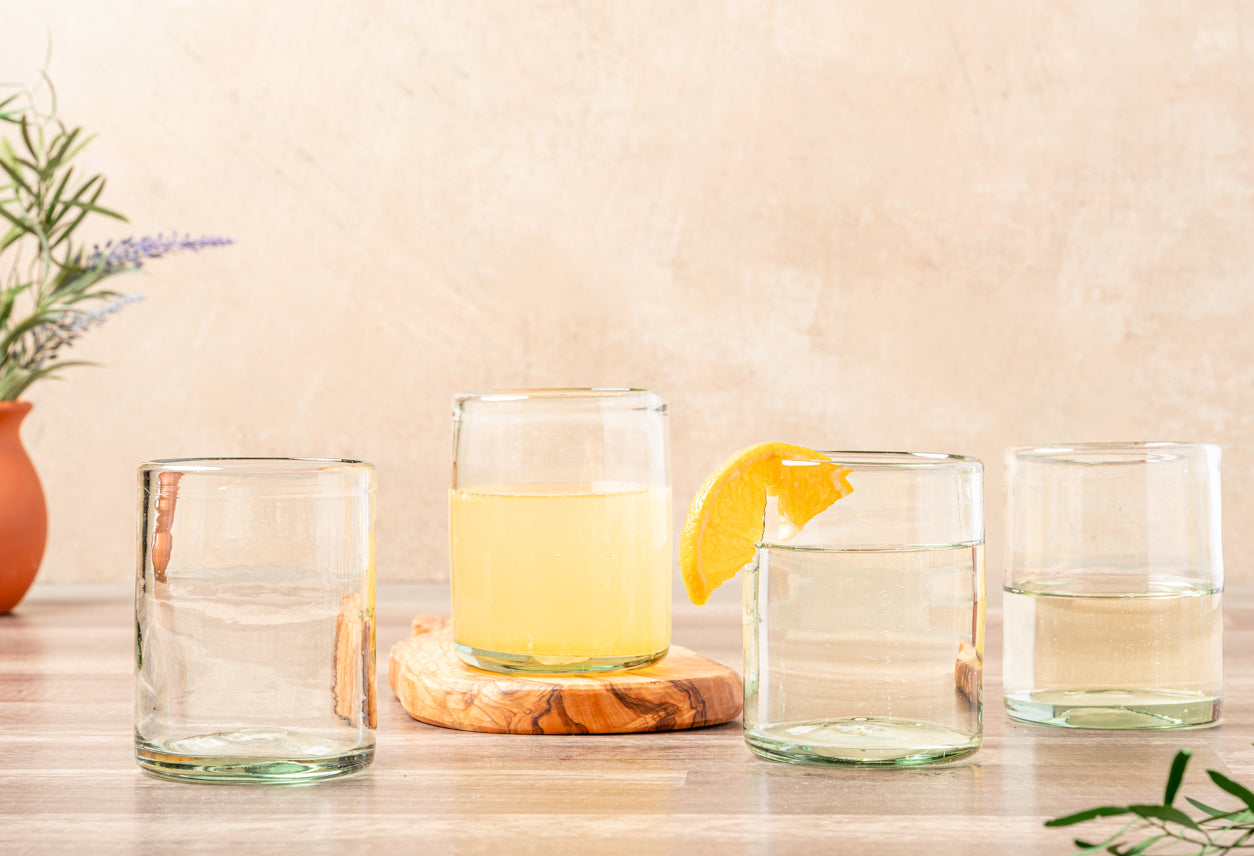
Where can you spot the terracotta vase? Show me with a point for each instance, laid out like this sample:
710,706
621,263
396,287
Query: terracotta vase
23,514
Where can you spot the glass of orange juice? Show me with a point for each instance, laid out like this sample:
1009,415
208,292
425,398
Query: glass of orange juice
560,530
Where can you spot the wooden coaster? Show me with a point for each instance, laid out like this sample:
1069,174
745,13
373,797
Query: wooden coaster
685,690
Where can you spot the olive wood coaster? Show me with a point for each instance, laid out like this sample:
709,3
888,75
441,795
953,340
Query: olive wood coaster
685,690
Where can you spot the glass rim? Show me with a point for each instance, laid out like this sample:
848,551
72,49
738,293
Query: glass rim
552,393
243,465
612,398
1144,451
901,460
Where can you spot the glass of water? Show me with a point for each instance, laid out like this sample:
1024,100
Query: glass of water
254,619
1113,586
864,632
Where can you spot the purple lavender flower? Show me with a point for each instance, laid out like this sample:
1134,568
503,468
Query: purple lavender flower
131,252
47,339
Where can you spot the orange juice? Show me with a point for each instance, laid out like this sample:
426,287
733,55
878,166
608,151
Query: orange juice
561,575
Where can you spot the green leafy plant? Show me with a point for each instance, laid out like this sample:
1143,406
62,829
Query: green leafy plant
52,287
1163,829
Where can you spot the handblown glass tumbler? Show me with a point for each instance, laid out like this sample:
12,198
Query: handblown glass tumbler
560,530
254,619
1113,586
864,632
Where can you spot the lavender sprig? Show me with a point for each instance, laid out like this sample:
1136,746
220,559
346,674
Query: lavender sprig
132,252
43,342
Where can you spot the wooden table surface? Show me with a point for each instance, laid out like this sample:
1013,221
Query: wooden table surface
68,780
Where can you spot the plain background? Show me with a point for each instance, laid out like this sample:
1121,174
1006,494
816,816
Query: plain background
950,226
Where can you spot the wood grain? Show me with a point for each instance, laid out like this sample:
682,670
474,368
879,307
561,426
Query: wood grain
685,690
351,660
969,671
68,780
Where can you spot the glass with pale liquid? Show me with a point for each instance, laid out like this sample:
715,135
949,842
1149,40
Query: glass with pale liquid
254,619
560,530
864,632
1113,586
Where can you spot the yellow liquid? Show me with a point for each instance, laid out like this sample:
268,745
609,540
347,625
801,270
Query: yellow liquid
561,573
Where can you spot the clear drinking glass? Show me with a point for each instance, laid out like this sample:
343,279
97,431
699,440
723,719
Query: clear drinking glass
560,529
254,619
1113,586
864,633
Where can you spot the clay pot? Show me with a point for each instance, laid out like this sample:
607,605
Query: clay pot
23,514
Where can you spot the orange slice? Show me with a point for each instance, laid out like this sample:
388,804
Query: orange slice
727,517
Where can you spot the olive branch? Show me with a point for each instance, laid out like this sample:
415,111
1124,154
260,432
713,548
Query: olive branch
1164,829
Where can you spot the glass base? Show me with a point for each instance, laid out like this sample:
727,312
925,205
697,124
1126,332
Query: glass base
862,741
255,755
1115,710
495,661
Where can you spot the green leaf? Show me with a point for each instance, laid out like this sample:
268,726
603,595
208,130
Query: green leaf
6,306
82,145
55,199
72,285
10,167
1087,847
1143,846
13,116
1090,814
43,72
84,208
65,364
71,299
1176,776
12,235
1239,791
12,386
91,205
30,145
1234,817
67,230
1163,812
100,209
1213,812
74,201
17,224
31,165
29,323
7,155
60,146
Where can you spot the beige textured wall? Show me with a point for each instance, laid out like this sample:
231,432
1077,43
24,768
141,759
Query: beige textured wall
937,226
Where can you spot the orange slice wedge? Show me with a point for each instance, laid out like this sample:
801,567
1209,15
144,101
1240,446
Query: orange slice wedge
727,518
